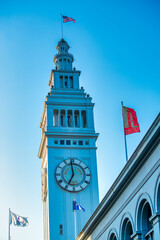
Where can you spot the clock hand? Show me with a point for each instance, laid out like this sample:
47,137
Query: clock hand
71,178
72,168
72,173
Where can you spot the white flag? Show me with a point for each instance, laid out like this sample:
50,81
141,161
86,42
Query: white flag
17,220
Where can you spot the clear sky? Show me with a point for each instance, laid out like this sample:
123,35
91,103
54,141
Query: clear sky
116,46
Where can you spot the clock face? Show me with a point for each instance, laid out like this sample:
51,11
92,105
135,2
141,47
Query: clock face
73,175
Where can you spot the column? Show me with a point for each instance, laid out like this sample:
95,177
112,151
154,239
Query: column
80,118
66,122
59,117
73,119
155,219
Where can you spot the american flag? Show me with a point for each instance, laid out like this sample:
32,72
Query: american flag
67,19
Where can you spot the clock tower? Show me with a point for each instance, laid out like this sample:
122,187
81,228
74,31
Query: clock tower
67,151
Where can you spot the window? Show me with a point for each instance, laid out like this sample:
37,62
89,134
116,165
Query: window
71,82
62,118
61,81
76,118
68,142
66,82
74,142
61,142
61,229
69,118
55,118
55,141
84,123
87,142
80,143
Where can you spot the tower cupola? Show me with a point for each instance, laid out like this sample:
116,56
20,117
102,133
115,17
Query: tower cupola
63,60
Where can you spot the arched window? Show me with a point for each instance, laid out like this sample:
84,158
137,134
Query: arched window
127,230
63,118
71,82
158,199
113,237
55,118
66,82
61,81
84,121
76,118
69,118
144,224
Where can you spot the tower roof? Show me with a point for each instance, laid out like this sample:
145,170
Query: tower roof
62,42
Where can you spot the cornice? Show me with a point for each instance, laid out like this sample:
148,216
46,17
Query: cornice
72,147
70,104
43,115
72,134
43,140
66,71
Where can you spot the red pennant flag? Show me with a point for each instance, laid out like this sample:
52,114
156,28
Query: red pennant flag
130,121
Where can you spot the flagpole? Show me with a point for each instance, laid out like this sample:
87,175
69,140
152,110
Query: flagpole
61,26
75,223
9,226
125,141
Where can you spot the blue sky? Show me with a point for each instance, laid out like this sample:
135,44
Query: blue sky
116,46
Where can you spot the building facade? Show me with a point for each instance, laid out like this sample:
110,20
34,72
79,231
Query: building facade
131,207
67,151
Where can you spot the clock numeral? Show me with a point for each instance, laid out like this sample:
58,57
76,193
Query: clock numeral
86,182
66,186
60,181
58,174
73,188
88,175
85,167
65,161
81,187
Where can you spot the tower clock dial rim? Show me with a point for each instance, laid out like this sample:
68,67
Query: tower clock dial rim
72,175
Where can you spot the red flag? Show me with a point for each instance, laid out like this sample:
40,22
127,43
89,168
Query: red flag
130,121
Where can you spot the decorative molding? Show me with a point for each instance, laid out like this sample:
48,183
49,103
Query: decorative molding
44,184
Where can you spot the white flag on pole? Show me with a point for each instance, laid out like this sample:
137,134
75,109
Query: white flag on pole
18,221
